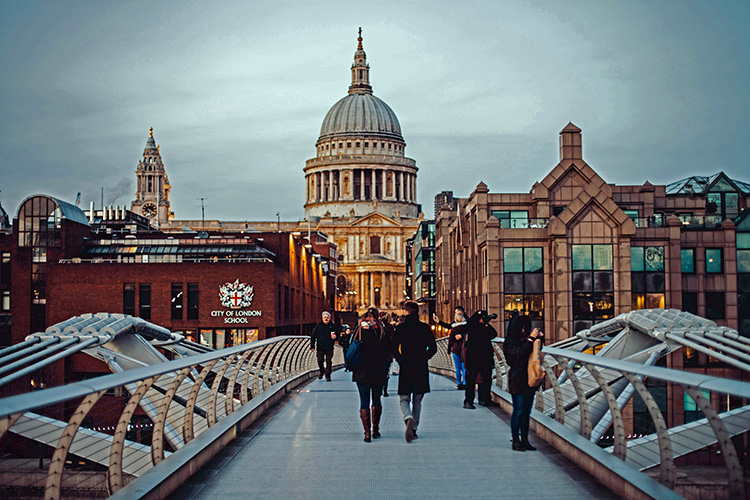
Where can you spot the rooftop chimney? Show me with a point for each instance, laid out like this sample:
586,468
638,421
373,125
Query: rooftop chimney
570,143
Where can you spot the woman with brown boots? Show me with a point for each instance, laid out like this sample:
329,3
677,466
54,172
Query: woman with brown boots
369,374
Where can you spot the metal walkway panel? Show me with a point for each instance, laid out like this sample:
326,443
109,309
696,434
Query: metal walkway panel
88,444
313,449
643,453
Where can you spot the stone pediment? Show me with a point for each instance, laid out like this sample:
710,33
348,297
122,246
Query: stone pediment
593,206
375,219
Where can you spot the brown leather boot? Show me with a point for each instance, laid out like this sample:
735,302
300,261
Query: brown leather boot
364,415
376,412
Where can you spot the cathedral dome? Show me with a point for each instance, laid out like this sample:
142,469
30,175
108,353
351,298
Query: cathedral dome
360,114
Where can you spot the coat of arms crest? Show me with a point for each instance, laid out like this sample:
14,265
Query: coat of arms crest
236,295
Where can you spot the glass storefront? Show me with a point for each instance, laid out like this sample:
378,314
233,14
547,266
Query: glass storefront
220,338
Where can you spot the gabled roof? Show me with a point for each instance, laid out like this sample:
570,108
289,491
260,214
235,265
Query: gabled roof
698,184
375,219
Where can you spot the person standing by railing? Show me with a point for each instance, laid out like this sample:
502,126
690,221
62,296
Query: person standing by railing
517,347
456,344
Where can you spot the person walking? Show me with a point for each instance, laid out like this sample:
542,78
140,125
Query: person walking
387,322
479,358
345,339
413,345
369,374
456,345
324,335
519,342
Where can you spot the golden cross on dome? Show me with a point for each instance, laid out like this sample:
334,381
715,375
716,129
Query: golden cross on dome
151,131
359,39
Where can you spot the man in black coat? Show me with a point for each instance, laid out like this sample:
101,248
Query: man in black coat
325,334
413,344
479,359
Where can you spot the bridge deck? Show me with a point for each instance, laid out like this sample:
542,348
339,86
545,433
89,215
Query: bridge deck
312,448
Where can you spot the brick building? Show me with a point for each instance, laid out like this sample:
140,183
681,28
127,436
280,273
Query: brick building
216,289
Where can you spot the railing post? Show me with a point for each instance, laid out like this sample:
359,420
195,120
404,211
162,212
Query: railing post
114,472
728,451
618,426
583,404
559,403
188,427
666,466
215,390
56,467
229,406
157,437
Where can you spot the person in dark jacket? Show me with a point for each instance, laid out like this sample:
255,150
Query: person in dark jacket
519,342
325,334
479,359
456,345
345,339
369,373
413,344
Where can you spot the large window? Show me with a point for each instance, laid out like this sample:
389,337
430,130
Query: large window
176,301
512,219
723,200
192,301
5,269
524,283
715,305
714,261
128,299
39,222
144,301
647,277
687,256
593,285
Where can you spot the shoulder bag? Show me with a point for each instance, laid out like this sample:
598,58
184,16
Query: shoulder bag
536,370
354,353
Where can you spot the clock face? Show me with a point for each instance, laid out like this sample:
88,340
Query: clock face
148,209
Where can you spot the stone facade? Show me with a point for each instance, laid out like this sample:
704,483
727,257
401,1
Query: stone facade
576,250
152,193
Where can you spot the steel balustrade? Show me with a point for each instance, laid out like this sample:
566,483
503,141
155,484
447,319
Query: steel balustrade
235,375
574,363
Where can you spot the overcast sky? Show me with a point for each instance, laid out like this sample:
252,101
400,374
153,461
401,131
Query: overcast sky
237,91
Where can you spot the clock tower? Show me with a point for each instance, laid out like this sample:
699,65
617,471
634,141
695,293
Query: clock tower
152,194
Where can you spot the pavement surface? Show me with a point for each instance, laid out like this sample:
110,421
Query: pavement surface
310,446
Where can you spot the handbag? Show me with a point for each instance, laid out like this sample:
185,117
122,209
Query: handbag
354,353
535,370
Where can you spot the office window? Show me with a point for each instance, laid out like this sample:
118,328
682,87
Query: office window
715,305
6,300
688,260
714,261
593,285
128,299
633,214
192,301
512,219
5,268
177,300
647,278
690,302
144,301
524,283
692,411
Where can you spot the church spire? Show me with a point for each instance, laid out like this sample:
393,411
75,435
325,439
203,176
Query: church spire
360,70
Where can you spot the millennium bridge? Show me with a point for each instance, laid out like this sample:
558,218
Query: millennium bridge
176,419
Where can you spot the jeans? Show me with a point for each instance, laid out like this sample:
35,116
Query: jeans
365,393
411,407
519,420
460,369
326,356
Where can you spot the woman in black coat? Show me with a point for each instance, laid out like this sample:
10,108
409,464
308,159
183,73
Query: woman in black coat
369,373
519,342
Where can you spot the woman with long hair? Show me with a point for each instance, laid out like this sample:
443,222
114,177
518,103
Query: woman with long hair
519,342
369,374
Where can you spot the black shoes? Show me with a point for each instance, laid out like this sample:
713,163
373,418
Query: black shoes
409,435
527,446
320,376
517,445
385,393
461,387
489,404
469,406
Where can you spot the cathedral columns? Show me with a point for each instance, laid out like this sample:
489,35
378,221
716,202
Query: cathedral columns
373,190
362,185
401,191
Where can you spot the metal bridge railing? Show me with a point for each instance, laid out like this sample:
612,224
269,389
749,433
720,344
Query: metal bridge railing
586,396
94,437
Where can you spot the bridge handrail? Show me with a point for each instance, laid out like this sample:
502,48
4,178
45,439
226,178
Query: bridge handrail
571,361
181,407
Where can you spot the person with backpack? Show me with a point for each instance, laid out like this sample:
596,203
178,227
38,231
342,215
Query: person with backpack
518,346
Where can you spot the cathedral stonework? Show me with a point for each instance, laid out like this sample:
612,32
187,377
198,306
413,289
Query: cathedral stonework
362,193
152,193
